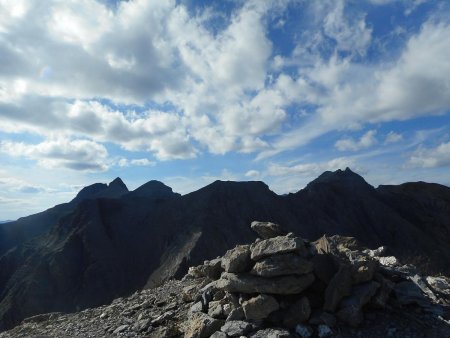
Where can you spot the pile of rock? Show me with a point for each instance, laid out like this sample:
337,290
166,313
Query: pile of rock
284,286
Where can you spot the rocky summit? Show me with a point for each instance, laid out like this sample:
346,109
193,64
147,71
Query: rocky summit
280,286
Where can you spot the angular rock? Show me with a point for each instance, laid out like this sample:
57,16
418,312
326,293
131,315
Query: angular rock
351,307
237,259
201,326
271,333
297,313
340,286
236,314
287,285
277,245
389,261
211,269
219,334
259,307
216,310
267,230
236,328
282,265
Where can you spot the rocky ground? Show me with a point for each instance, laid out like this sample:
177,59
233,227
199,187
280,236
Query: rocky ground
279,286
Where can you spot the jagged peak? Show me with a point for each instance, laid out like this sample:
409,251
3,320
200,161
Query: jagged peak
117,183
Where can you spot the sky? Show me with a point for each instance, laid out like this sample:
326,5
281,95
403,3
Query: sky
188,92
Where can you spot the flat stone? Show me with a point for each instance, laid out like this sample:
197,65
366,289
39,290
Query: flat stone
236,328
287,285
340,286
121,328
267,230
282,265
237,259
277,245
259,307
297,313
271,333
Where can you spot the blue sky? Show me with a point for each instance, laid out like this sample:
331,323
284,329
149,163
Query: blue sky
187,92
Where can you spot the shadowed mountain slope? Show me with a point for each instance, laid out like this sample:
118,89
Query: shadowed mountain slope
109,247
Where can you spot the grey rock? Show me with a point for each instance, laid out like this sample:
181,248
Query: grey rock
216,309
340,286
324,331
201,326
304,331
281,265
236,314
297,313
211,269
351,307
259,307
287,285
236,328
267,230
121,328
277,245
219,334
237,259
439,285
197,307
271,333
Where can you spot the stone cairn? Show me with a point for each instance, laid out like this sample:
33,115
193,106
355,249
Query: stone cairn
284,286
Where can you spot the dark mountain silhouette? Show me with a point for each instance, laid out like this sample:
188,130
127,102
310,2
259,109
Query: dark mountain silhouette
25,228
109,245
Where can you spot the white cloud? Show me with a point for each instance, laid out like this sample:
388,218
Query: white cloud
431,157
141,162
81,155
393,137
367,140
253,174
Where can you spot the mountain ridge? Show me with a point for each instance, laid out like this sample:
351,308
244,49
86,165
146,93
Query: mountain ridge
111,247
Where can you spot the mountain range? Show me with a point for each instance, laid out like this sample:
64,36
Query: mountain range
109,242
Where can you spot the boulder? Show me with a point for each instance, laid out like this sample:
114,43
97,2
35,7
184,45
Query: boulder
237,259
287,285
211,269
351,307
277,245
259,307
282,265
339,287
439,285
297,313
236,328
267,230
202,326
236,314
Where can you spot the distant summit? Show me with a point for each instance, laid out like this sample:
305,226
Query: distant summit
346,177
114,189
153,189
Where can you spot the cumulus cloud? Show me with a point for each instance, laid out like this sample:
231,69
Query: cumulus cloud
431,157
80,155
312,168
367,140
